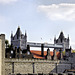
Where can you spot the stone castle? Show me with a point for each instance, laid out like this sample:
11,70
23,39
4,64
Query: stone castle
16,61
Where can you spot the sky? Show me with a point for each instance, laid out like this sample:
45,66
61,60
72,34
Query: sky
41,19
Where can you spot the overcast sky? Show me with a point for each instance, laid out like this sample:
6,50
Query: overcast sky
40,18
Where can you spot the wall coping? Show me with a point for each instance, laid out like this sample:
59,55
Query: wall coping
35,60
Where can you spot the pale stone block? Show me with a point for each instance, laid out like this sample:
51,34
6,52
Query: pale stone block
0,57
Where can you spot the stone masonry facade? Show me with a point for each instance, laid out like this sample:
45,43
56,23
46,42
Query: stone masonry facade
2,54
25,66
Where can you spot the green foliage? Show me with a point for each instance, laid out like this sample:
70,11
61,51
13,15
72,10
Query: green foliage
7,45
6,42
73,51
63,53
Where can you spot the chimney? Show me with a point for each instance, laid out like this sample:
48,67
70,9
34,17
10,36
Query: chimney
54,53
28,48
42,50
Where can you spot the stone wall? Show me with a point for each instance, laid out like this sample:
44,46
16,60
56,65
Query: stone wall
8,68
25,66
44,67
62,67
2,54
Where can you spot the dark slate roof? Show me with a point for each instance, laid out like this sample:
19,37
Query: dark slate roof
61,36
18,33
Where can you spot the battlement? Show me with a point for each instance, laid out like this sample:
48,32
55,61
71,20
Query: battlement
36,60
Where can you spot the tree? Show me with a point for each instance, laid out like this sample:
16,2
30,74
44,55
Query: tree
6,43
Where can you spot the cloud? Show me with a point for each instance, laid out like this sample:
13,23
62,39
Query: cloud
63,11
7,1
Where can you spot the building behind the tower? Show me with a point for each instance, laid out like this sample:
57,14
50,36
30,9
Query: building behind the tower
19,39
62,40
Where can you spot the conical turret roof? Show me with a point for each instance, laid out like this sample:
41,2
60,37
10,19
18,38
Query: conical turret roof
61,36
18,33
25,34
11,34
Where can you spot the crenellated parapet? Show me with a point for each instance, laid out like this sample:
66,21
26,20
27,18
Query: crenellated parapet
36,60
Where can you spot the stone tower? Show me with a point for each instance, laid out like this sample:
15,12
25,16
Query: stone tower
19,39
2,54
62,40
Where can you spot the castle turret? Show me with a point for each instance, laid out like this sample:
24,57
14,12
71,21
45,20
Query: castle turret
61,36
12,35
18,33
68,38
68,41
55,39
61,39
25,35
19,39
25,39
